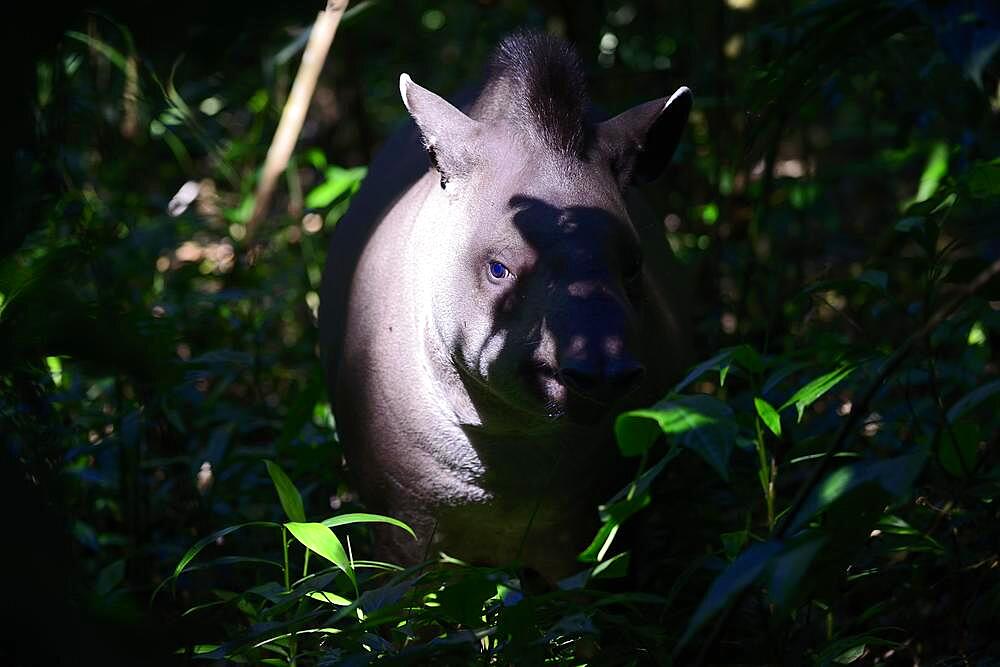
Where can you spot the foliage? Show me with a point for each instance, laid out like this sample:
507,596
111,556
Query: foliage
821,488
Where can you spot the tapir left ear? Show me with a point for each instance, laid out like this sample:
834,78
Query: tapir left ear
449,136
641,141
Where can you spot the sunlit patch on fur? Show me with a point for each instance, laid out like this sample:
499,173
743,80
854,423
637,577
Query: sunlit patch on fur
490,352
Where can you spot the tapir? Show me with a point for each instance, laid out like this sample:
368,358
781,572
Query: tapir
494,296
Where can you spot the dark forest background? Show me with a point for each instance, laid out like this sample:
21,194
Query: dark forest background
821,489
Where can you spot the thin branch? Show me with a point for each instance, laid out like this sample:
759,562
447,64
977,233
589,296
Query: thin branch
294,113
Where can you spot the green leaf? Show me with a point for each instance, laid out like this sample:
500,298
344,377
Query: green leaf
330,598
289,496
338,182
319,539
878,279
808,394
744,355
983,179
463,601
972,399
958,451
209,539
768,415
615,567
622,505
733,543
114,56
360,517
893,477
789,570
110,577
910,224
204,542
700,422
737,576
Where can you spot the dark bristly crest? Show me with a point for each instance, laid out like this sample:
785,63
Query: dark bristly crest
535,81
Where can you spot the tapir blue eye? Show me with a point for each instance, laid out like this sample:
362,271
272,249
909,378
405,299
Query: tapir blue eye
498,271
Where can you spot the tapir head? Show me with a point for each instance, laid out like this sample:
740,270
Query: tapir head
538,301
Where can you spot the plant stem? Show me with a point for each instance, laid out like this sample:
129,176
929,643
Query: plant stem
284,547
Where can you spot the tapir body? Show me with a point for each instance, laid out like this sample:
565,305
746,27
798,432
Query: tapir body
485,313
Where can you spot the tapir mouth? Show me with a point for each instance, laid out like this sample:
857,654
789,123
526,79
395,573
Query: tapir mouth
563,402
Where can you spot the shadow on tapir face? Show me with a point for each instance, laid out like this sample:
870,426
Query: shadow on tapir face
563,340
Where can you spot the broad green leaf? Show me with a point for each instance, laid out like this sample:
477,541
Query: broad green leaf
808,394
360,517
738,575
289,496
895,477
701,423
319,539
768,415
791,567
636,430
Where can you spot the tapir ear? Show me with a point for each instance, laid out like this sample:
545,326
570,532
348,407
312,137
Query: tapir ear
641,141
448,134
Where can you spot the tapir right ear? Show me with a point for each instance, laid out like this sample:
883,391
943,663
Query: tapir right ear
448,134
641,141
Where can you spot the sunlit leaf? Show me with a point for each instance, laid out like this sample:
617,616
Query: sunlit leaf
612,568
289,496
768,415
360,517
338,182
328,597
319,539
808,394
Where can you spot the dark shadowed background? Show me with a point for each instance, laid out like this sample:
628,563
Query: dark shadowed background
839,182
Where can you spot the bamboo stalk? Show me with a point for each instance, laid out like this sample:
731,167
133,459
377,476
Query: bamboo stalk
294,113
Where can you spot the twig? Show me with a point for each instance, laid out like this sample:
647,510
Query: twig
294,113
850,426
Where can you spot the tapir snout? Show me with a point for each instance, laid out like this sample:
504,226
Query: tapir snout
597,361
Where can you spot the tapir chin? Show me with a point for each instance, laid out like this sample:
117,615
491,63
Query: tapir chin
485,314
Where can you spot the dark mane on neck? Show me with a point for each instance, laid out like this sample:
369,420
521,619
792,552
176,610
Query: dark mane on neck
535,82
